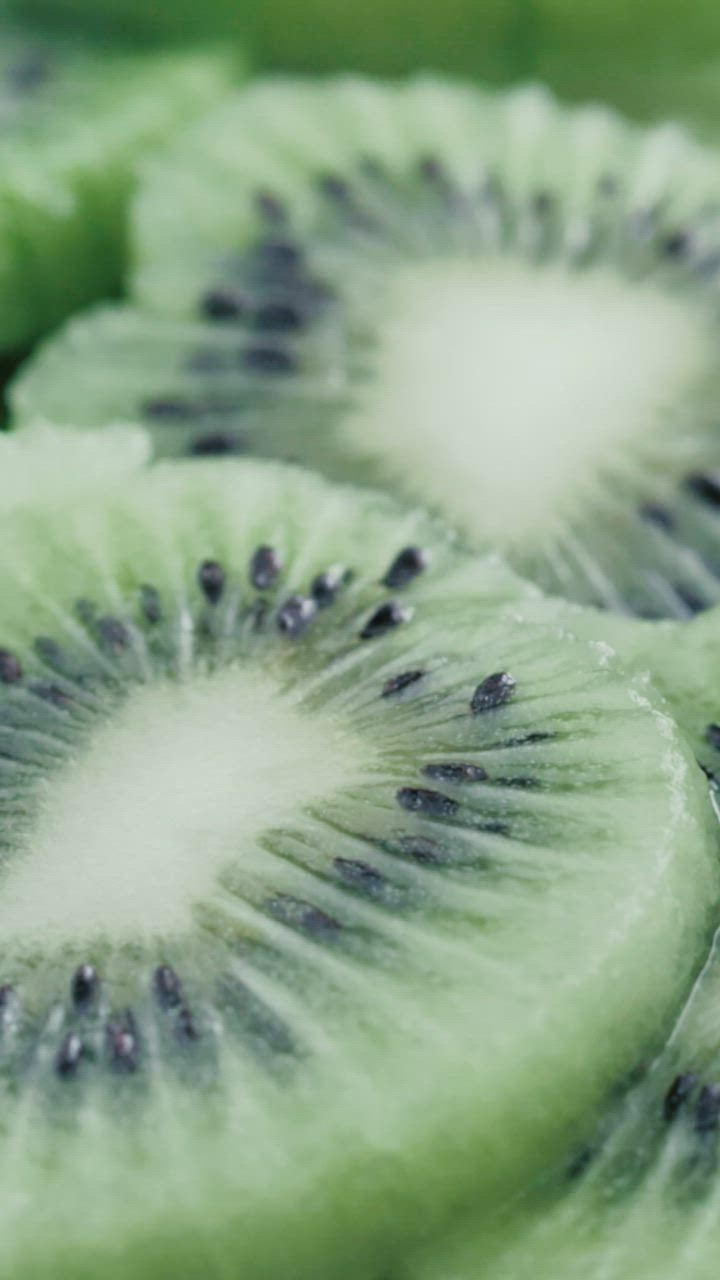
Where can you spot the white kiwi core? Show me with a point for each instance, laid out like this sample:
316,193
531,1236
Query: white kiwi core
179,784
506,393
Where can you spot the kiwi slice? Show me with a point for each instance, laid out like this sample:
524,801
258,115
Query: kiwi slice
641,1200
334,892
74,120
503,309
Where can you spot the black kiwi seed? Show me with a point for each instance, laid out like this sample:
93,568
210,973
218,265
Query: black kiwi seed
86,611
187,1028
277,256
270,206
69,1055
656,514
385,618
396,684
712,778
432,170
677,244
9,1006
167,986
279,317
53,694
123,1045
705,485
302,915
265,566
150,604
49,650
712,736
424,800
407,564
529,739
693,602
492,692
216,444
272,360
113,634
707,1112
223,304
208,360
359,875
295,614
211,580
325,586
168,407
678,1093
422,849
84,984
334,187
10,667
455,772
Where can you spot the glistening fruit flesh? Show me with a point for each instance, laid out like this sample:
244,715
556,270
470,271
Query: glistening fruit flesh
527,296
284,777
641,1199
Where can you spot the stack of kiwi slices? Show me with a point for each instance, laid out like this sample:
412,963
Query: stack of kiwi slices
359,690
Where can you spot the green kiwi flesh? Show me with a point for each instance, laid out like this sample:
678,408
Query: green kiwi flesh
330,259
640,1199
284,776
75,118
685,665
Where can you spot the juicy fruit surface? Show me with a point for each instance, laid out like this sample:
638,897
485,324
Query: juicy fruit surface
275,814
541,284
74,120
640,1200
42,465
684,663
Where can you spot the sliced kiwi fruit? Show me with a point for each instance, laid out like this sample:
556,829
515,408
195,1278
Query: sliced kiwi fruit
74,120
640,1200
335,893
501,308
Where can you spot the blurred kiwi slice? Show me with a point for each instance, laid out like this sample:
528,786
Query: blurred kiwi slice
336,892
75,118
484,302
641,1199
